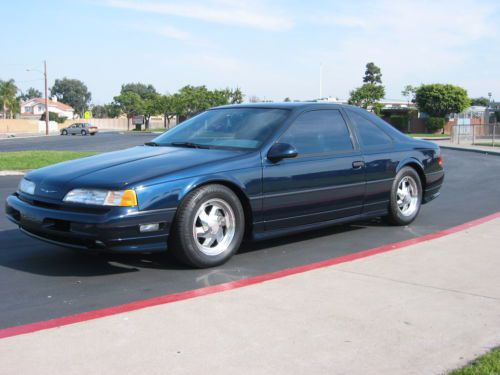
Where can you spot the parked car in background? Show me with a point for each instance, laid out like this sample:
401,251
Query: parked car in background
80,128
256,171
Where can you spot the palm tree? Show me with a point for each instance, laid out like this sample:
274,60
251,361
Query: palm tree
8,100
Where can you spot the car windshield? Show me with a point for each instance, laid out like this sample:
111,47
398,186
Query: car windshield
245,128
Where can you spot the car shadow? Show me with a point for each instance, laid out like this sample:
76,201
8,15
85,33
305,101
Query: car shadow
25,254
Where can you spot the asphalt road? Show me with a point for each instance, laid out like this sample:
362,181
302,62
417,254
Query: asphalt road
101,142
39,281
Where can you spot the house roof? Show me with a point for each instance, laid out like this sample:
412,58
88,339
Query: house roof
52,103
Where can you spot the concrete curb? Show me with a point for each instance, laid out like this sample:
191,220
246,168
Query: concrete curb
478,151
11,173
28,136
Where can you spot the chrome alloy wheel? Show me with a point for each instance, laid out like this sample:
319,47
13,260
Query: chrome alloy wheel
407,196
214,227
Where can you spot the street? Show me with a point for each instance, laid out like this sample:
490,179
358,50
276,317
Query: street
39,281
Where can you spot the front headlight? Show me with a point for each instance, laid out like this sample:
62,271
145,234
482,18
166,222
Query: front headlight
123,198
27,186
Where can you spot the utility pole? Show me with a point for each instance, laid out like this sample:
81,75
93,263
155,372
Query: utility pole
46,98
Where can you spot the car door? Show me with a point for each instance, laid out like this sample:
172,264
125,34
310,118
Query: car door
72,129
325,181
380,158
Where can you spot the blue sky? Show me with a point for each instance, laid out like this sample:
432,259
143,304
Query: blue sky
270,49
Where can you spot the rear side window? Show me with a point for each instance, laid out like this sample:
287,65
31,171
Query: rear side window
316,132
370,135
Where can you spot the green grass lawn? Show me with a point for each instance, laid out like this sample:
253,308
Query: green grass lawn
23,160
425,135
489,364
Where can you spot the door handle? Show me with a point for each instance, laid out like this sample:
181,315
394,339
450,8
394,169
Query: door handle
358,164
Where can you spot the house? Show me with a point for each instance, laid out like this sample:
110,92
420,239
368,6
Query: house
35,107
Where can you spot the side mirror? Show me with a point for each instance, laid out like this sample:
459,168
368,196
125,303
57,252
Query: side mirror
281,151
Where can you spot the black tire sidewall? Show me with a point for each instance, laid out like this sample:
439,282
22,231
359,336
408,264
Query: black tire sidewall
182,242
64,132
395,216
84,132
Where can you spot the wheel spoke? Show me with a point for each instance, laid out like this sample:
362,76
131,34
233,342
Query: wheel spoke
213,213
201,232
204,218
219,236
209,240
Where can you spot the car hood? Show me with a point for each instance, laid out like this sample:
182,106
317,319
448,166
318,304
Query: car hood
120,169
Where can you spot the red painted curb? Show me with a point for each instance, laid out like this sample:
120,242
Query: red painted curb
169,298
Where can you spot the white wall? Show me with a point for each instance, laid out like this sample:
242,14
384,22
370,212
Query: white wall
53,127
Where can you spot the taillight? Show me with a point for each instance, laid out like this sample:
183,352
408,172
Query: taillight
440,160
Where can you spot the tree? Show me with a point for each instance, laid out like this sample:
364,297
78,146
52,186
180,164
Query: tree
9,103
482,101
30,94
152,107
235,96
145,91
409,93
372,74
148,95
371,91
441,100
72,92
168,106
130,103
367,95
110,110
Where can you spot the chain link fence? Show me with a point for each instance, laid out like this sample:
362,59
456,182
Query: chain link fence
476,134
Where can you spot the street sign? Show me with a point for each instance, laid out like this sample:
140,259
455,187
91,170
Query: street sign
87,115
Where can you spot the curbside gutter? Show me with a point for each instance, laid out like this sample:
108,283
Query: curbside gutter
476,150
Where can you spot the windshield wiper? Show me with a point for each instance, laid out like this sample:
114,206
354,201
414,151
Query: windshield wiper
152,144
189,144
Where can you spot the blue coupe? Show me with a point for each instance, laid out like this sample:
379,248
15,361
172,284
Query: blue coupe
253,170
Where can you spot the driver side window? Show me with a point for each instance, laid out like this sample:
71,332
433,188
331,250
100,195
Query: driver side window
319,132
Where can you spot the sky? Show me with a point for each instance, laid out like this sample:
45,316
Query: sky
270,49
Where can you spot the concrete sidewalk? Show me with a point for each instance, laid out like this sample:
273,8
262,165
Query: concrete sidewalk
468,147
422,309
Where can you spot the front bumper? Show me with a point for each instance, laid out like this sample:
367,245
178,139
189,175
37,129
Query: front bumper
115,229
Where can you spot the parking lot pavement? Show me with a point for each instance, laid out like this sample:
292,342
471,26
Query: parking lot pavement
422,309
101,142
39,281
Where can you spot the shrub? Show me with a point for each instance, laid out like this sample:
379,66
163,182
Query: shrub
54,117
400,122
434,124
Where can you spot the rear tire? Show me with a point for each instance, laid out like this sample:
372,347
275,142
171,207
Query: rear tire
406,197
208,228
84,132
64,132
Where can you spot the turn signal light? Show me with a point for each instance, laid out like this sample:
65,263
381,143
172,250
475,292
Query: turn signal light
129,198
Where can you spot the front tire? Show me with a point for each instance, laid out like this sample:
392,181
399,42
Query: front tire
84,132
64,132
208,228
406,197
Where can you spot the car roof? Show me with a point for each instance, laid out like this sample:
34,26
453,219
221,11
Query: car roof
287,105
